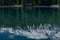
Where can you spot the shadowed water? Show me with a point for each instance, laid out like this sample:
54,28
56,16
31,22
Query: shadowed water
31,21
29,16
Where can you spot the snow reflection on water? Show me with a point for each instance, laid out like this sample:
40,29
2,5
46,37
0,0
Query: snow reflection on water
41,32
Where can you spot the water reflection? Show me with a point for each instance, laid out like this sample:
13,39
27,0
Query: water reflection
30,33
28,16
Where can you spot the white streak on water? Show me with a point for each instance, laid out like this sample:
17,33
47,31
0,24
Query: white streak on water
30,32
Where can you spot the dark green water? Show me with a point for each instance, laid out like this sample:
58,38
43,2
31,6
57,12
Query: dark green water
29,16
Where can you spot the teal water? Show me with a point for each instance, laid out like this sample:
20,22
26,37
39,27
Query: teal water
5,36
29,16
15,16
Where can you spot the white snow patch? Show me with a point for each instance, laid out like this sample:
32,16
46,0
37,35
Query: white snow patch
57,35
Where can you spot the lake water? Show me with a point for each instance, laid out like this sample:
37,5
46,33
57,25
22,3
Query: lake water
16,16
29,16
7,36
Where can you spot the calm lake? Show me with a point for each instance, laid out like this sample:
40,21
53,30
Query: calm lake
16,16
12,16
